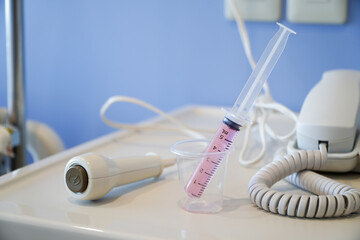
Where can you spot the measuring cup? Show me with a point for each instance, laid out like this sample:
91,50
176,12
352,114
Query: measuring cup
188,155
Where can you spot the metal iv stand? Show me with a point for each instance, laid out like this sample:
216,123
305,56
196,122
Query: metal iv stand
15,77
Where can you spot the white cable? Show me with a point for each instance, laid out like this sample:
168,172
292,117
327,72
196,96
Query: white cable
260,109
277,107
333,199
264,104
261,120
192,132
243,34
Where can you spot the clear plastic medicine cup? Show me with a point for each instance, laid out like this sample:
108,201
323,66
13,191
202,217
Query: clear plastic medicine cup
188,156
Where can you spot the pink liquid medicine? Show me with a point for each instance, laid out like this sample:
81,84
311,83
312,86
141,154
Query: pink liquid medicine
221,142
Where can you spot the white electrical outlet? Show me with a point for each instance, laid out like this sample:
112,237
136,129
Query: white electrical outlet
255,10
317,11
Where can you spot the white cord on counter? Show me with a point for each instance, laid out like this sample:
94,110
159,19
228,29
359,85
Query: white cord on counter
192,132
333,199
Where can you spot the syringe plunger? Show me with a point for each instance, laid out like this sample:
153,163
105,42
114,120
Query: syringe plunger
260,74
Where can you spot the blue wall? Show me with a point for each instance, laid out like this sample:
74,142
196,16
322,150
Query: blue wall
169,53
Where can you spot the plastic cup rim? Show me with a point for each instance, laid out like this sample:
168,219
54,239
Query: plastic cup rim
183,153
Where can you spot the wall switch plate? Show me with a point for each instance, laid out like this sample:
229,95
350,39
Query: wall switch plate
255,10
317,11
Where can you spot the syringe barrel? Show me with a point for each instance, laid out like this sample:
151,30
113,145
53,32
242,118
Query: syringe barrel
259,75
221,143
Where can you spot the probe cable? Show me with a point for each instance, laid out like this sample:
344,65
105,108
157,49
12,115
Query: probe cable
192,132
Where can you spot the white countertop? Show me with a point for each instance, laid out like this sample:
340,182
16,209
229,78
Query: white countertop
34,203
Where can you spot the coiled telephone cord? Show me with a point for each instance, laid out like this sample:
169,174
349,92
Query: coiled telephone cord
332,199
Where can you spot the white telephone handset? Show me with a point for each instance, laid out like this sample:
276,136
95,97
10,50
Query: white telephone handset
330,115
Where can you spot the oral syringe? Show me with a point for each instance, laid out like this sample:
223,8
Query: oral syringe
236,117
